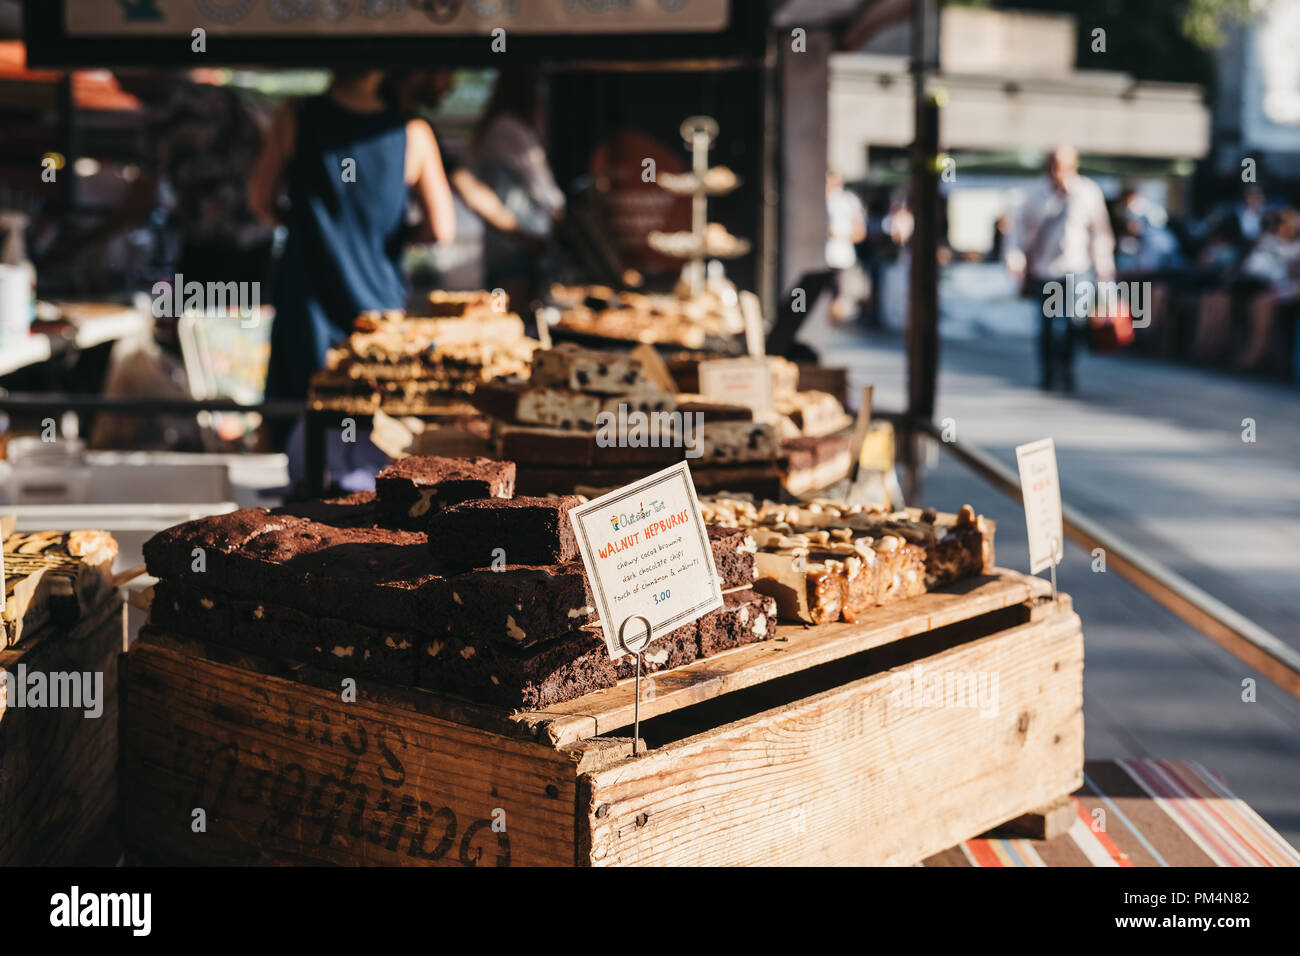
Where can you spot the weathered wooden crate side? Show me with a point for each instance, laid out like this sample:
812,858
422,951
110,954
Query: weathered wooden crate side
284,772
58,766
860,774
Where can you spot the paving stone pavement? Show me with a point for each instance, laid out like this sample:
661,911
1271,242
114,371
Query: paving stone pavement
1154,453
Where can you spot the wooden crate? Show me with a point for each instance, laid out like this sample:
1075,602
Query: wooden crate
795,751
58,768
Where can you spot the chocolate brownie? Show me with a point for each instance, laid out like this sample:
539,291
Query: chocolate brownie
578,663
385,654
554,447
677,647
712,410
520,604
760,480
521,530
191,611
378,576
172,553
499,398
276,631
745,617
412,489
557,670
357,510
733,556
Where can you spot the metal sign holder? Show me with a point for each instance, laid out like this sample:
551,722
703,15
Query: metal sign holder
635,647
1056,548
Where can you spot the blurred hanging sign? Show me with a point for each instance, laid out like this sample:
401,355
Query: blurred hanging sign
137,18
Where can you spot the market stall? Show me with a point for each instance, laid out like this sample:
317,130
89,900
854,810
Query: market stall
802,687
638,586
453,605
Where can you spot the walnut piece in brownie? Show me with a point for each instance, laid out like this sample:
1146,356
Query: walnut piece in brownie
521,530
413,489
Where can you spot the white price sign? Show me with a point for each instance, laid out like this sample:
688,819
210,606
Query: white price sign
647,555
740,381
1041,489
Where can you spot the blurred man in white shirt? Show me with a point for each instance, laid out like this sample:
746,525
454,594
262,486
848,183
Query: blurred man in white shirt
1061,237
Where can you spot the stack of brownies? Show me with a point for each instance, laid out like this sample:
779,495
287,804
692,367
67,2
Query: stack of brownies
412,366
827,562
593,420
644,317
441,578
813,429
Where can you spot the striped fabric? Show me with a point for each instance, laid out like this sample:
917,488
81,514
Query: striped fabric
1142,813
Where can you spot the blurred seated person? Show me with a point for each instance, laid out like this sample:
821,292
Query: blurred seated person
1275,260
1244,219
1145,244
1264,281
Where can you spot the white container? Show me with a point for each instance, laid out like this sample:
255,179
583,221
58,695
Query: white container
47,473
16,302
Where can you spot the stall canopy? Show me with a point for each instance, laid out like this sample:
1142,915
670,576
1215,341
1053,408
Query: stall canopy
21,87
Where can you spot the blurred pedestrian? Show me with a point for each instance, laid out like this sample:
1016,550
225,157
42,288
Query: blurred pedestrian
1061,239
347,160
412,90
846,226
508,155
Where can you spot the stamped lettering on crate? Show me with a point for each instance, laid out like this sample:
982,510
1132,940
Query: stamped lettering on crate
310,777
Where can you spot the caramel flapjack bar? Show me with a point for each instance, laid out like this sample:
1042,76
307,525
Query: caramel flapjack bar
842,576
53,576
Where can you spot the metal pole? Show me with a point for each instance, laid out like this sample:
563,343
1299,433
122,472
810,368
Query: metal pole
767,278
636,709
923,299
